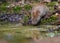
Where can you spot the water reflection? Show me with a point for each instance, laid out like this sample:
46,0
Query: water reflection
30,35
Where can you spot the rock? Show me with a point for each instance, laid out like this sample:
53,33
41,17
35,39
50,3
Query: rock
3,17
12,17
50,34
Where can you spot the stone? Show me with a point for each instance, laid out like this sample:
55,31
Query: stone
3,17
12,17
50,34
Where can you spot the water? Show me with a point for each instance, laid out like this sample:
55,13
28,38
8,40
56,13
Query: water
19,34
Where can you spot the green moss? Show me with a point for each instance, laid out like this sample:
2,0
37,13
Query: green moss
51,4
25,19
17,9
49,20
27,7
